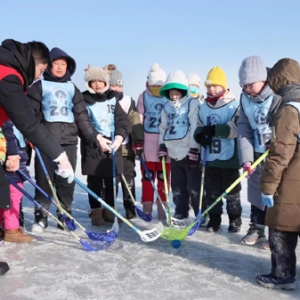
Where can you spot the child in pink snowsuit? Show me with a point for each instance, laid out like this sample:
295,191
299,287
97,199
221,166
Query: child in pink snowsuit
16,159
150,106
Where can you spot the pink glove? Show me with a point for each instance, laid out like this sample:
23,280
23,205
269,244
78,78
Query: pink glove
247,167
193,155
65,169
117,143
12,163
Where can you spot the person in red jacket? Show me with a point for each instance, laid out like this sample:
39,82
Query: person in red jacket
20,65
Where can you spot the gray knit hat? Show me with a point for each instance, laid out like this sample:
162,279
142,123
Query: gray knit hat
253,69
116,78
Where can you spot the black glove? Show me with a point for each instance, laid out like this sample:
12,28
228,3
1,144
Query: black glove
138,148
203,139
209,130
94,149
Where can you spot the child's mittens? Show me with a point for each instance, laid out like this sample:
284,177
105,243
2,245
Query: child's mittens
267,200
247,167
209,131
162,152
138,148
12,163
95,149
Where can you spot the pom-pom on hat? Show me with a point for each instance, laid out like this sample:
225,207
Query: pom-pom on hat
156,75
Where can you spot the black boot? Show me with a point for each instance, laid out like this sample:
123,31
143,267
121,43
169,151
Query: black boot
41,221
235,223
3,268
129,209
214,223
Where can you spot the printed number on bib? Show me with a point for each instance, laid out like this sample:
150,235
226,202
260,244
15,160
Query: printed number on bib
215,146
154,122
58,111
111,108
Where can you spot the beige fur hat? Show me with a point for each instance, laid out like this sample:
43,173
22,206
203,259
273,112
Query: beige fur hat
96,73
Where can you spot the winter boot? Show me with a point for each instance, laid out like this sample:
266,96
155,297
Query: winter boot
255,235
214,223
3,268
109,217
129,209
273,282
147,207
204,221
235,223
17,236
41,221
160,211
96,216
179,216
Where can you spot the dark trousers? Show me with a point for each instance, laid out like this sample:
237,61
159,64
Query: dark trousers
96,184
129,174
185,184
64,190
216,181
283,252
257,215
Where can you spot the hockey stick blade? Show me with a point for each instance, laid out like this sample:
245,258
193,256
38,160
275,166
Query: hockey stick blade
151,234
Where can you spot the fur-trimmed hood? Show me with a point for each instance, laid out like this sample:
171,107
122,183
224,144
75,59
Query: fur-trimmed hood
96,73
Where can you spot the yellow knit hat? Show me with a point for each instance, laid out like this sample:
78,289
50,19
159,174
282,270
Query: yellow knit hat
216,76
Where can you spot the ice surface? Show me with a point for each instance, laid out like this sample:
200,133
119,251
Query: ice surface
206,266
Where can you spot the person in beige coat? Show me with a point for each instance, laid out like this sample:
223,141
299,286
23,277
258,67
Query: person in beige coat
280,180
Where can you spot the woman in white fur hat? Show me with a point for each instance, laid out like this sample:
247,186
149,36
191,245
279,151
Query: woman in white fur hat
107,117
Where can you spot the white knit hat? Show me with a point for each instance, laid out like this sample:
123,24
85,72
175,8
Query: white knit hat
176,80
156,75
96,73
194,79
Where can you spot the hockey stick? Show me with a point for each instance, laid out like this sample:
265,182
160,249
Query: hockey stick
145,235
115,227
146,217
193,226
154,187
96,236
71,222
89,246
197,225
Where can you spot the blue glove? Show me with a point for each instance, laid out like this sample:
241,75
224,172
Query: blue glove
267,200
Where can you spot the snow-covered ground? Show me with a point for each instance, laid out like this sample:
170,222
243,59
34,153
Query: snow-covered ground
206,266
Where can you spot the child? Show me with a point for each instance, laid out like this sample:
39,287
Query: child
218,132
60,106
179,120
16,159
279,183
257,100
149,106
106,115
194,86
133,144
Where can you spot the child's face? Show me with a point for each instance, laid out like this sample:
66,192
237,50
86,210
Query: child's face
59,67
175,95
97,86
255,88
214,90
39,70
116,88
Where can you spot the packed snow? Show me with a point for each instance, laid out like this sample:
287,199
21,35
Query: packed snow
206,266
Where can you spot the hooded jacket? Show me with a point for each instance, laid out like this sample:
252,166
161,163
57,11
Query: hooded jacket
280,176
64,133
17,71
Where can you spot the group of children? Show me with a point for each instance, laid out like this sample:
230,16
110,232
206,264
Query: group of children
172,124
